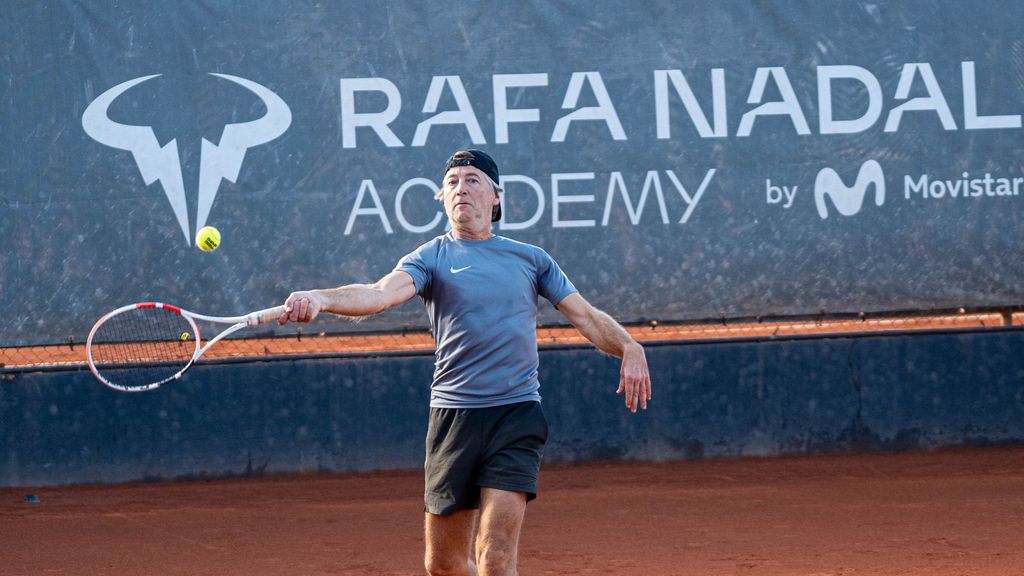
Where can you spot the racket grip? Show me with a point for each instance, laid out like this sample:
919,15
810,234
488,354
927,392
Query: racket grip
264,316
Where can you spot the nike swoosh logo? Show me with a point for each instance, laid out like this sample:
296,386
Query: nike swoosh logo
455,270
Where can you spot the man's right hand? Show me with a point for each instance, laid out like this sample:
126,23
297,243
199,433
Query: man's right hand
301,307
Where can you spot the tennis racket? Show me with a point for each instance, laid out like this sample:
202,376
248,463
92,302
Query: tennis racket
142,346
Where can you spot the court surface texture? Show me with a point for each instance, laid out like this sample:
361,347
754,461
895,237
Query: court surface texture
944,513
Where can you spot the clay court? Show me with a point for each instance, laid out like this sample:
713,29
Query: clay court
947,513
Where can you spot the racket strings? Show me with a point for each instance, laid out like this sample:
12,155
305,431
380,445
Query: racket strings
142,347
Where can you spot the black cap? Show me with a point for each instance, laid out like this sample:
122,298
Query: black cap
481,161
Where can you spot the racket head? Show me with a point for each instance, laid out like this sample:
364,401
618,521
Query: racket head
142,346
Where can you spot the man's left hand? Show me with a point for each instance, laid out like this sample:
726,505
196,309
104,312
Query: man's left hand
634,378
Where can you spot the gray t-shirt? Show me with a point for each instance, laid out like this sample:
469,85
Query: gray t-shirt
481,296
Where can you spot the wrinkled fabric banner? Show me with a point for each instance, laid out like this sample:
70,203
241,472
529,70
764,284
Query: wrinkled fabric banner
680,160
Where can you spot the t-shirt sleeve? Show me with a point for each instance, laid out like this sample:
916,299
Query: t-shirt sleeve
420,264
552,283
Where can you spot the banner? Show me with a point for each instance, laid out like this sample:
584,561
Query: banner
680,160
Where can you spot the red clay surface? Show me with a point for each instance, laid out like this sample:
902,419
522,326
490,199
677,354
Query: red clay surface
938,514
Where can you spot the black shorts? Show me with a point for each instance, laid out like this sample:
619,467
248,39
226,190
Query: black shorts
473,448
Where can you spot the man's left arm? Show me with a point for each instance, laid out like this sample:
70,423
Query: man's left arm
610,337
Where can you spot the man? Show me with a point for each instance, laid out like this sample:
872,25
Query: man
486,431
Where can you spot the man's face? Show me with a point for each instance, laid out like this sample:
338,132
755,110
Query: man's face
469,198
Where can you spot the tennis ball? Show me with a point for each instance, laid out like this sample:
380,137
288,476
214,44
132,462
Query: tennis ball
185,336
208,238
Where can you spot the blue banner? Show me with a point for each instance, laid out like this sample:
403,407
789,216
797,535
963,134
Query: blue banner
680,160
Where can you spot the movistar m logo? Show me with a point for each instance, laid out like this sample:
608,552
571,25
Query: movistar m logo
221,161
848,200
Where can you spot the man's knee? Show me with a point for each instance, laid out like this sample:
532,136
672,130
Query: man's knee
446,565
440,561
496,554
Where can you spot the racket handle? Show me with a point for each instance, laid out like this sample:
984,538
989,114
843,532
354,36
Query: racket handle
264,316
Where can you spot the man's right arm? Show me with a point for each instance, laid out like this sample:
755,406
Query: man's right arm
354,300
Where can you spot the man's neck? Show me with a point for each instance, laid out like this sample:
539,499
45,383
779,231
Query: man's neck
482,234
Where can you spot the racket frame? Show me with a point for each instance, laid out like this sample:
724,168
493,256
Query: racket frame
237,323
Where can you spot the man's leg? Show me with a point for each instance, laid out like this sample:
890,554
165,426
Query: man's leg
497,540
449,544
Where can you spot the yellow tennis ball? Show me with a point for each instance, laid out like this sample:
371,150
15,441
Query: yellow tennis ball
208,238
185,336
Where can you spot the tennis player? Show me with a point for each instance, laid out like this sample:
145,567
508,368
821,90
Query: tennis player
486,432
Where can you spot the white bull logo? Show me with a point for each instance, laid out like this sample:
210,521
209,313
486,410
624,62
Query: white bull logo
217,161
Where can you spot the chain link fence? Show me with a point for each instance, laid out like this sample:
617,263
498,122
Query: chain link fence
305,342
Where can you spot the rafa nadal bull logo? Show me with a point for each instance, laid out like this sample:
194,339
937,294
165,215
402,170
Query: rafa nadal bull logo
217,161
